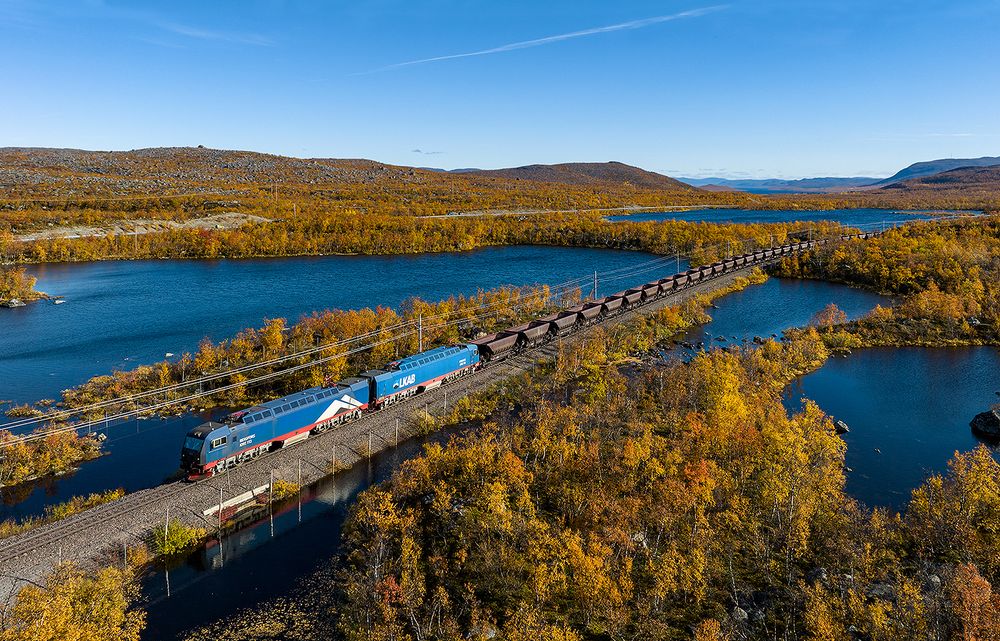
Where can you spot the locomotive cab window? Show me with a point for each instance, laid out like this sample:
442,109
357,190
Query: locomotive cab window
218,442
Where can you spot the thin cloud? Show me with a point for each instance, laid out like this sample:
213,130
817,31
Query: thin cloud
427,153
538,42
219,36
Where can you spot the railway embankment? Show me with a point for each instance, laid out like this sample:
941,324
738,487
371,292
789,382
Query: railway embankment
104,534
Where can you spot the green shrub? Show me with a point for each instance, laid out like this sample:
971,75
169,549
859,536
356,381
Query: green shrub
176,538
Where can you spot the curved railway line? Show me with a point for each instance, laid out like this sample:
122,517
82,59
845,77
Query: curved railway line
104,532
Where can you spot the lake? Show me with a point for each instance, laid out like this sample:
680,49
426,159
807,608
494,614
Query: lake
777,305
120,314
123,314
912,404
868,219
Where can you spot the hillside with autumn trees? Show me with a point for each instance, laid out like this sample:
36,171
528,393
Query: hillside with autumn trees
613,497
606,495
685,502
297,206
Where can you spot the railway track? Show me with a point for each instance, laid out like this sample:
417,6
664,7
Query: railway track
58,530
88,535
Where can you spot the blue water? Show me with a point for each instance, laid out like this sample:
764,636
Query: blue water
913,404
119,315
269,558
122,314
775,306
864,218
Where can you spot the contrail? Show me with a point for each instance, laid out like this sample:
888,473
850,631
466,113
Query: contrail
527,44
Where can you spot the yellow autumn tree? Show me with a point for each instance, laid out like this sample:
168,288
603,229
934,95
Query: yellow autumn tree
72,606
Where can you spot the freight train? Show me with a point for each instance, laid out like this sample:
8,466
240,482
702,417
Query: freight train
215,446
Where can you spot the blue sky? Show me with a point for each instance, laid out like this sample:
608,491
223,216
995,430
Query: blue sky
749,88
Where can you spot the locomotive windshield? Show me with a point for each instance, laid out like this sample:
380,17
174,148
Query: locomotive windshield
193,443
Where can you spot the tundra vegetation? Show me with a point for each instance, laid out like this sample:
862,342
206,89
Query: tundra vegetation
326,206
623,500
352,232
60,511
72,604
47,453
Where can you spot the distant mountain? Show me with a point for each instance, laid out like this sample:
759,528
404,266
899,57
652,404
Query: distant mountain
45,172
966,178
585,173
780,186
931,167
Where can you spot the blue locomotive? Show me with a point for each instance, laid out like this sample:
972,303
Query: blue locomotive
214,446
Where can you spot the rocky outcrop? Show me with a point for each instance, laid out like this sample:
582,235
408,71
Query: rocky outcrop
987,423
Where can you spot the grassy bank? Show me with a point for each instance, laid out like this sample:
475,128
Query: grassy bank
59,511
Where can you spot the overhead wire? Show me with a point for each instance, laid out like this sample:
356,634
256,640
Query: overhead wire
482,310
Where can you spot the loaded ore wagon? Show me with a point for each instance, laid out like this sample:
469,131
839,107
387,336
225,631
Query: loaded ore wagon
215,446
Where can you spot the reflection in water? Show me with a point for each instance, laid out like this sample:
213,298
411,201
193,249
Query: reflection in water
908,410
139,454
120,314
868,219
266,559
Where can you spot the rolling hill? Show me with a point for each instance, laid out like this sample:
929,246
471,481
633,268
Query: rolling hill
584,173
782,186
966,178
932,167
36,172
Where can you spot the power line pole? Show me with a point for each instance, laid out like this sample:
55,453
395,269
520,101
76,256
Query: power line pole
420,332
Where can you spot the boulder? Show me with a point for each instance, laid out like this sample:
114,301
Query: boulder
987,423
881,591
816,575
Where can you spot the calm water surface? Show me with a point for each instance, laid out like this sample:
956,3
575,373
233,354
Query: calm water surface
864,218
266,560
122,314
775,306
912,404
